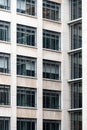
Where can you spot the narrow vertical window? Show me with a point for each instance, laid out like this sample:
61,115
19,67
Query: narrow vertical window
4,31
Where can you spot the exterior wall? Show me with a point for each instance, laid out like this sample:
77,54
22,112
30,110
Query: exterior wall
24,81
65,66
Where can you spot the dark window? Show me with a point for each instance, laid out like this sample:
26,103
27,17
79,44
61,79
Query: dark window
51,99
51,69
51,40
76,9
76,120
4,31
51,125
26,66
4,95
26,7
4,123
26,124
26,35
4,63
76,65
26,97
5,4
51,10
76,95
76,36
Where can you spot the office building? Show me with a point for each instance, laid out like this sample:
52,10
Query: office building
43,65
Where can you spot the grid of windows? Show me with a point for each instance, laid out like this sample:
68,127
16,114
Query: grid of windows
4,31
76,36
4,123
4,63
26,35
51,10
51,99
51,40
26,97
5,4
26,124
26,66
76,95
51,69
76,120
51,125
4,95
76,65
26,7
76,9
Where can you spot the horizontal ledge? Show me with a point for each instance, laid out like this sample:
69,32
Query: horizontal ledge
75,21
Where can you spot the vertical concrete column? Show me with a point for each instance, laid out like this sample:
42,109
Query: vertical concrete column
13,64
65,66
84,63
39,66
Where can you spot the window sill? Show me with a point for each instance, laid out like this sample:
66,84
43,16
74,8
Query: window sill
54,21
28,46
49,109
74,80
75,109
24,76
22,107
75,50
5,106
51,50
6,74
75,21
5,10
52,80
5,42
22,14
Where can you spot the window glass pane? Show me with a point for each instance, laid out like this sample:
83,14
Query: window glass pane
51,10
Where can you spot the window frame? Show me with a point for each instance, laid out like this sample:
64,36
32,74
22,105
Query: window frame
6,61
48,67
5,5
51,35
48,7
23,93
23,7
28,32
5,120
49,96
25,122
5,27
27,66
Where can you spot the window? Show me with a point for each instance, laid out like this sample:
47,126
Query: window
4,95
51,99
26,66
26,7
76,9
26,124
4,123
4,63
51,40
76,36
76,65
51,10
51,125
5,4
76,120
51,69
4,31
26,97
76,95
26,35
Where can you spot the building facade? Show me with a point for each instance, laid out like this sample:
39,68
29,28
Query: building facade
41,65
